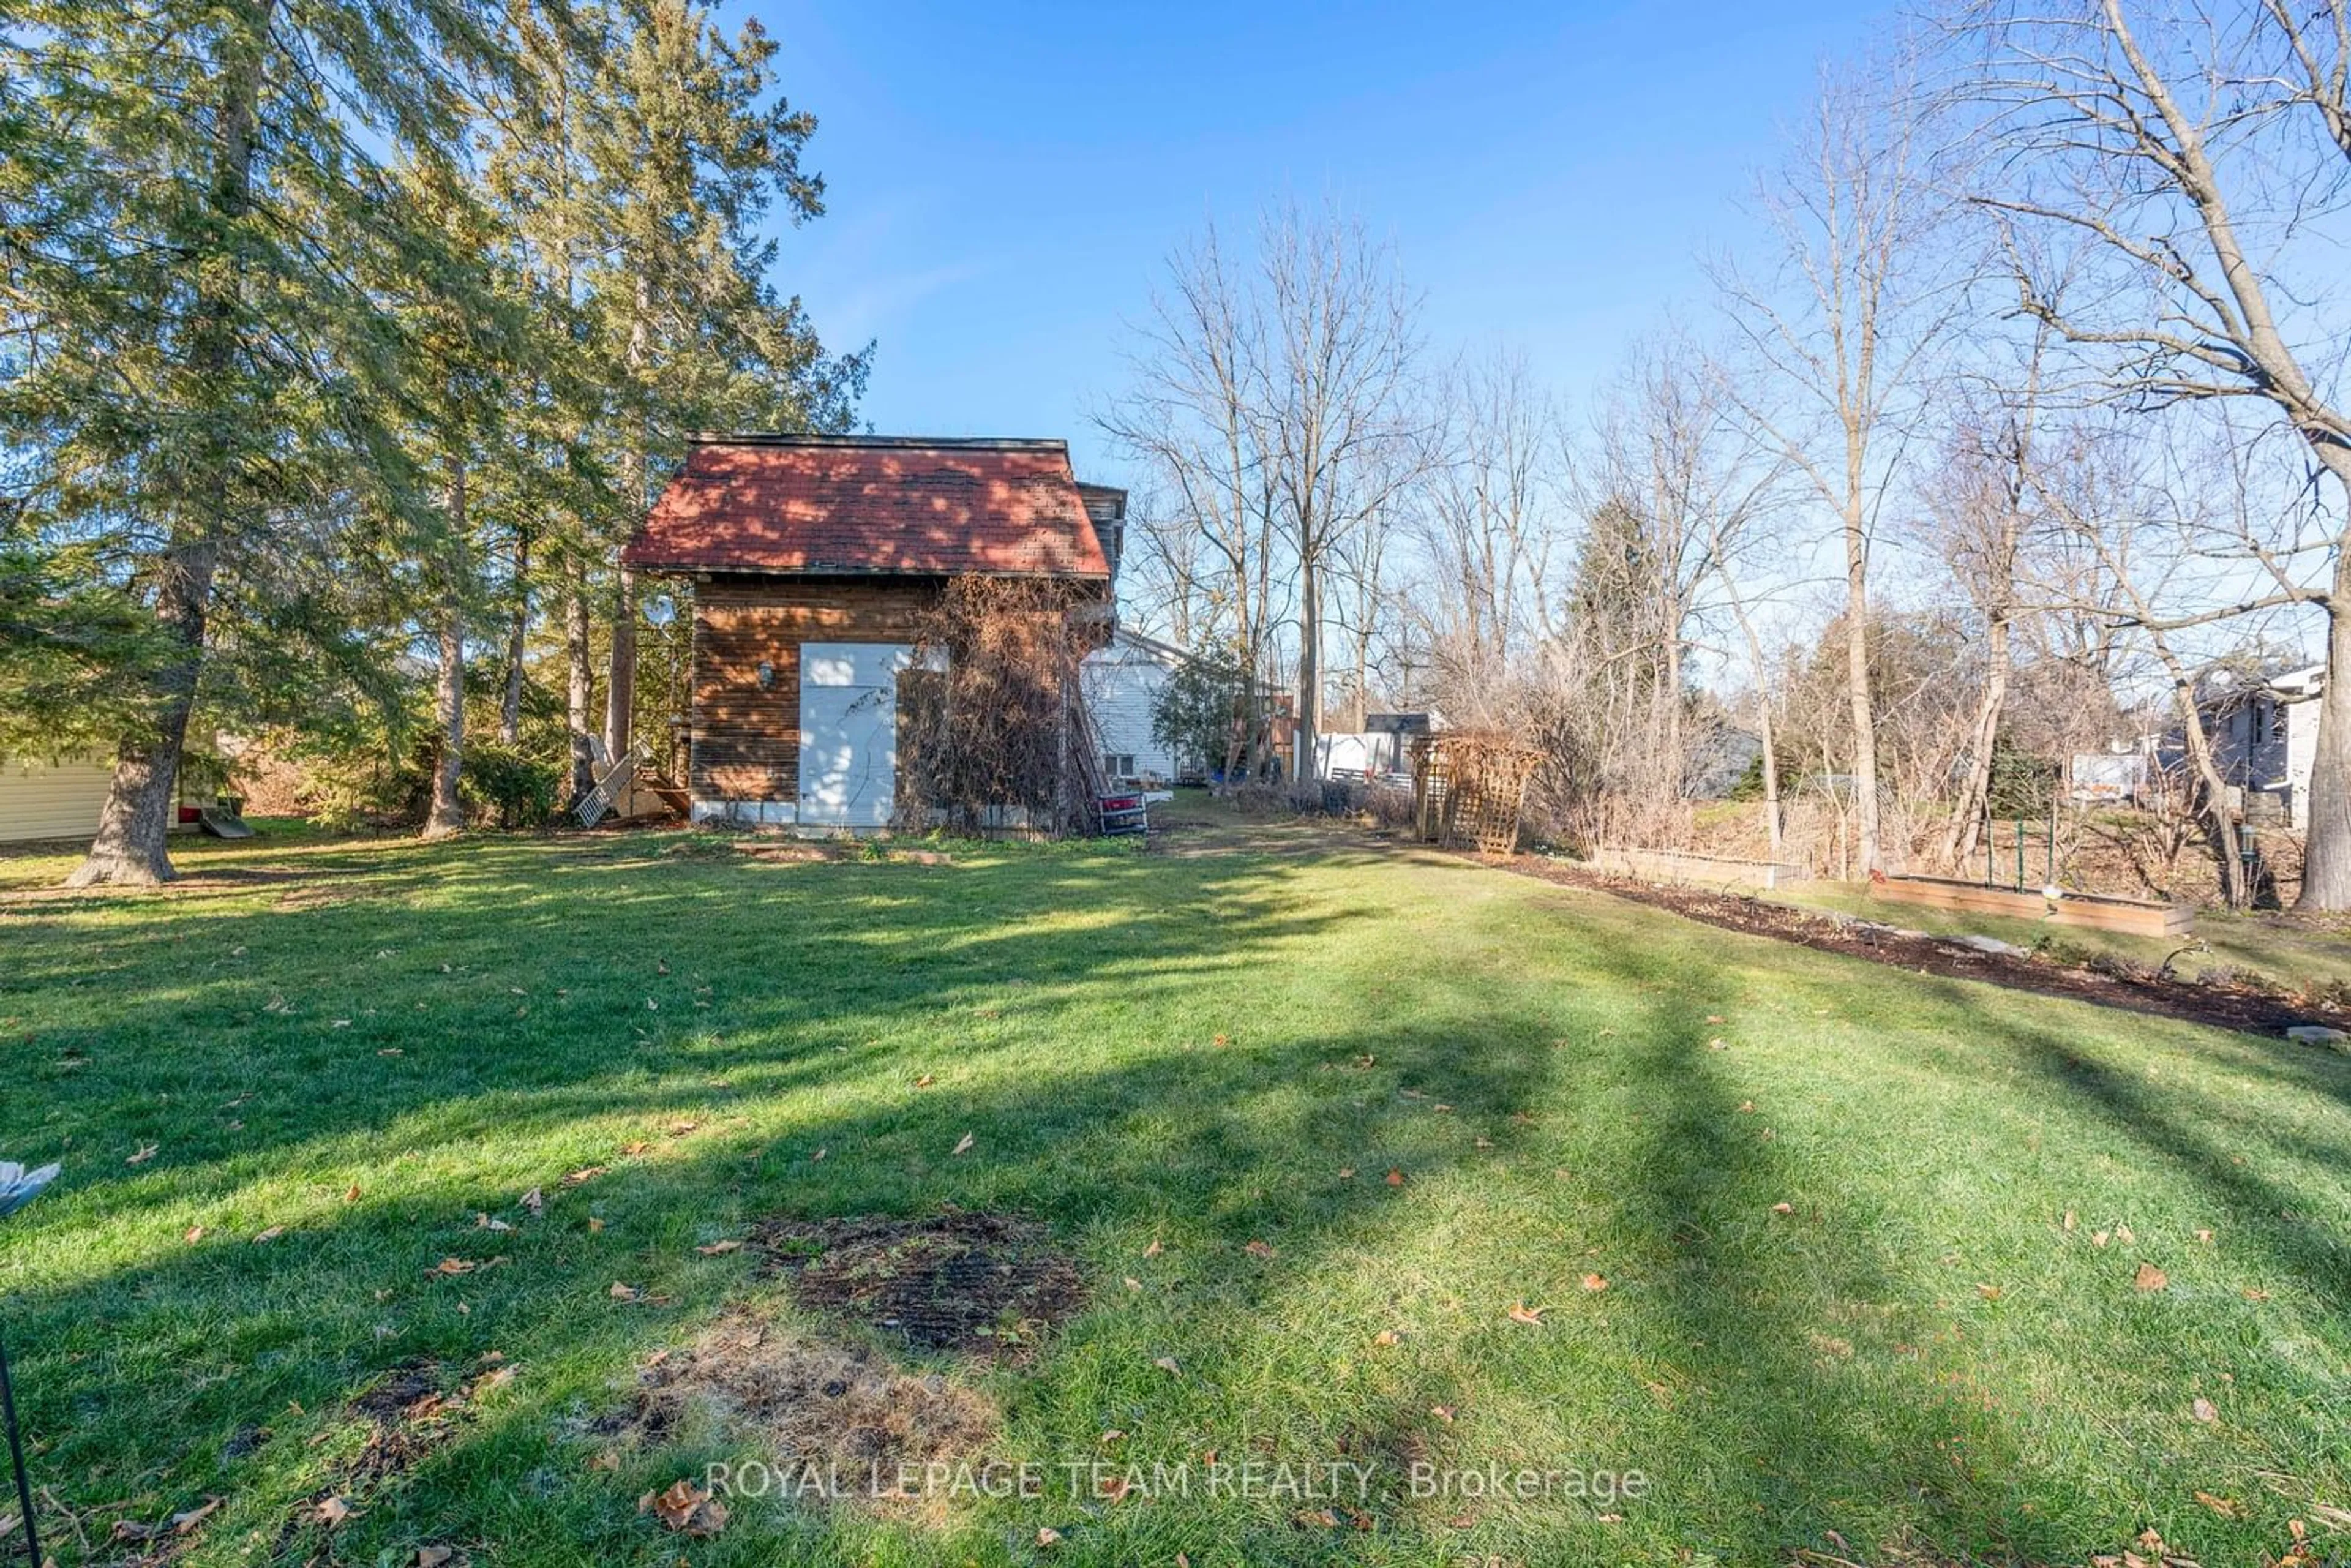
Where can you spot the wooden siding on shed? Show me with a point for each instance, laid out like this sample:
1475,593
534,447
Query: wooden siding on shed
50,800
747,738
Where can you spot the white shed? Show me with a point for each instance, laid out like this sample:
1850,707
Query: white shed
40,799
1123,683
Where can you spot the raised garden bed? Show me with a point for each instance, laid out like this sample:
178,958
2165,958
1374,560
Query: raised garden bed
1714,870
2098,911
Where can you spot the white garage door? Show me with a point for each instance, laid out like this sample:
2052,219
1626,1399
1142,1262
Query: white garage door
849,732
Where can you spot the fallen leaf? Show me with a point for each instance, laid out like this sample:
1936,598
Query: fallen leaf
1714,1017
1395,1177
1167,1363
1443,1413
1322,1517
453,1266
1483,1142
687,1509
816,1156
146,1152
2097,1239
631,1149
924,1082
1112,1489
1747,1107
1783,1208
2203,1411
533,1200
622,1292
963,1144
2068,1221
181,1524
497,1377
595,1225
272,1234
1523,1313
433,1556
195,1234
717,1248
2225,1506
1112,1435
1153,1250
483,1222
1259,1249
1047,1536
332,1510
610,1460
1133,1283
2150,1277
2250,1294
2122,1234
1221,1041
392,1051
1989,1293
1347,1173
2205,1237
351,1193
1595,1282
1463,1521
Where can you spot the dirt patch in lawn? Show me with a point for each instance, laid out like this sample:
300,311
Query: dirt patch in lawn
2236,1007
987,1284
837,1423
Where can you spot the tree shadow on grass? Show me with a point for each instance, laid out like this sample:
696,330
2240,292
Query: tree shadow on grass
1761,1314
222,1338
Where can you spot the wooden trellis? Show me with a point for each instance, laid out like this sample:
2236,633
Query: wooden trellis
1468,786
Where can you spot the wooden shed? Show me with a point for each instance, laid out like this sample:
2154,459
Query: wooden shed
813,561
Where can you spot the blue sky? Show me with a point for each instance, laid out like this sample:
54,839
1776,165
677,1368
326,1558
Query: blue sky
1005,181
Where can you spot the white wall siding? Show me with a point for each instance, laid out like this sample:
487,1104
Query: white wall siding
1120,688
50,800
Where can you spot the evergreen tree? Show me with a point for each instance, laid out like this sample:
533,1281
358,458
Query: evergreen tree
185,190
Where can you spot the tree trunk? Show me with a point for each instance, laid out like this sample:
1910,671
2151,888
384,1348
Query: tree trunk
510,703
621,681
133,822
581,692
137,815
1856,674
2327,847
1975,791
2212,792
1303,762
447,815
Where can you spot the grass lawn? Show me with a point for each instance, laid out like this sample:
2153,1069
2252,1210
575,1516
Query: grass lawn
1939,1348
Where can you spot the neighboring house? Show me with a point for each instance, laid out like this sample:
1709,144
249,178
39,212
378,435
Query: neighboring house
40,799
813,561
1123,681
2264,735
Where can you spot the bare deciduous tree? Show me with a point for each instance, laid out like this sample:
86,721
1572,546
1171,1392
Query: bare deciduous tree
2176,152
1838,336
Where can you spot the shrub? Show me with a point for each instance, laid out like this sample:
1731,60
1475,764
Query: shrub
507,783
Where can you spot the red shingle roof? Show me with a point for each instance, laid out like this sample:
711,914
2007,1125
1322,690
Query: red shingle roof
871,504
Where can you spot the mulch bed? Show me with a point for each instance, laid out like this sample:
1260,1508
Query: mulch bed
2235,1007
985,1283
